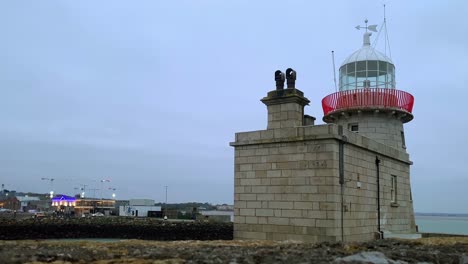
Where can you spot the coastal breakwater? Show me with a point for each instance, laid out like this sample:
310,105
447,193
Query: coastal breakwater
113,227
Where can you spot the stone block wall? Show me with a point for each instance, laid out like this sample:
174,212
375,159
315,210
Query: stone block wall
360,207
281,190
285,115
287,186
381,127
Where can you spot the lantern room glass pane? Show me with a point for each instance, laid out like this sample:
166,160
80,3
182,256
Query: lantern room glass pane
352,82
361,74
342,70
381,80
372,73
367,74
361,66
390,81
391,69
372,65
383,66
361,82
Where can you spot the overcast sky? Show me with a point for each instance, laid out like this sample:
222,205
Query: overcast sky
150,93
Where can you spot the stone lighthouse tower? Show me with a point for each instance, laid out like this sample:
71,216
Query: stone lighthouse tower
368,102
348,180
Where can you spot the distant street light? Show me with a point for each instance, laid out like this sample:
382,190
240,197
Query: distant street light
83,188
51,185
165,210
102,187
113,192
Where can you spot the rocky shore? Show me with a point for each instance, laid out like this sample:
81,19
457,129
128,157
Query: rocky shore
426,250
42,241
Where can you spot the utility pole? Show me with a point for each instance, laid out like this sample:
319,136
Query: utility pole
165,210
102,187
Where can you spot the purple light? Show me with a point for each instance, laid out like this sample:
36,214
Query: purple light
64,198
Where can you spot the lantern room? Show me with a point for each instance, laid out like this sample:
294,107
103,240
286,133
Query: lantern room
367,68
367,83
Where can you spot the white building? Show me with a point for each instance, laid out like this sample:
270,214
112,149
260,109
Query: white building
222,216
24,200
140,208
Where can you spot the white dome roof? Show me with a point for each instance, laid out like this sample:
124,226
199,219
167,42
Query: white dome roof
366,53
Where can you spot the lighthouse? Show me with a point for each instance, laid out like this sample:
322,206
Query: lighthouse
368,101
347,180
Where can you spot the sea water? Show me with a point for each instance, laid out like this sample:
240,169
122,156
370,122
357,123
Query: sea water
442,224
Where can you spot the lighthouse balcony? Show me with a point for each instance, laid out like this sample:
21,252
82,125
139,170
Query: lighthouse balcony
392,101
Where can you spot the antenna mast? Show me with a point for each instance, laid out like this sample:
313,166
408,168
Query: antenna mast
387,41
385,25
334,70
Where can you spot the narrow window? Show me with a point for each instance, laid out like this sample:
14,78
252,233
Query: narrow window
393,191
403,143
354,127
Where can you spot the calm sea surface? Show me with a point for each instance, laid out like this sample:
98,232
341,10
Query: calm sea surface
442,224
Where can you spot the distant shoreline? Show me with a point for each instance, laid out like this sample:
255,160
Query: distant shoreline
441,214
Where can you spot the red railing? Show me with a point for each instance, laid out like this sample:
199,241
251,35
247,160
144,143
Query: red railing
368,98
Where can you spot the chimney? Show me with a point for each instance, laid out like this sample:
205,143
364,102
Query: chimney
285,106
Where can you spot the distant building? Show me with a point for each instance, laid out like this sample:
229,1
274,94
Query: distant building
118,203
25,201
40,205
11,203
82,206
92,205
225,207
64,204
140,208
141,202
6,193
216,216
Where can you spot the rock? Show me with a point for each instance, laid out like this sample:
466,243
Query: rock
371,257
463,259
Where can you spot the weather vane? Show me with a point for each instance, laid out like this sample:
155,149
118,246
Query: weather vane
370,27
367,35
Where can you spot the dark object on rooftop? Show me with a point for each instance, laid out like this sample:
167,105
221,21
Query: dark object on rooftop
279,78
291,77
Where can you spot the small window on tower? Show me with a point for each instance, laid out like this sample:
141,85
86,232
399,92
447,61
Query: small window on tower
354,127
